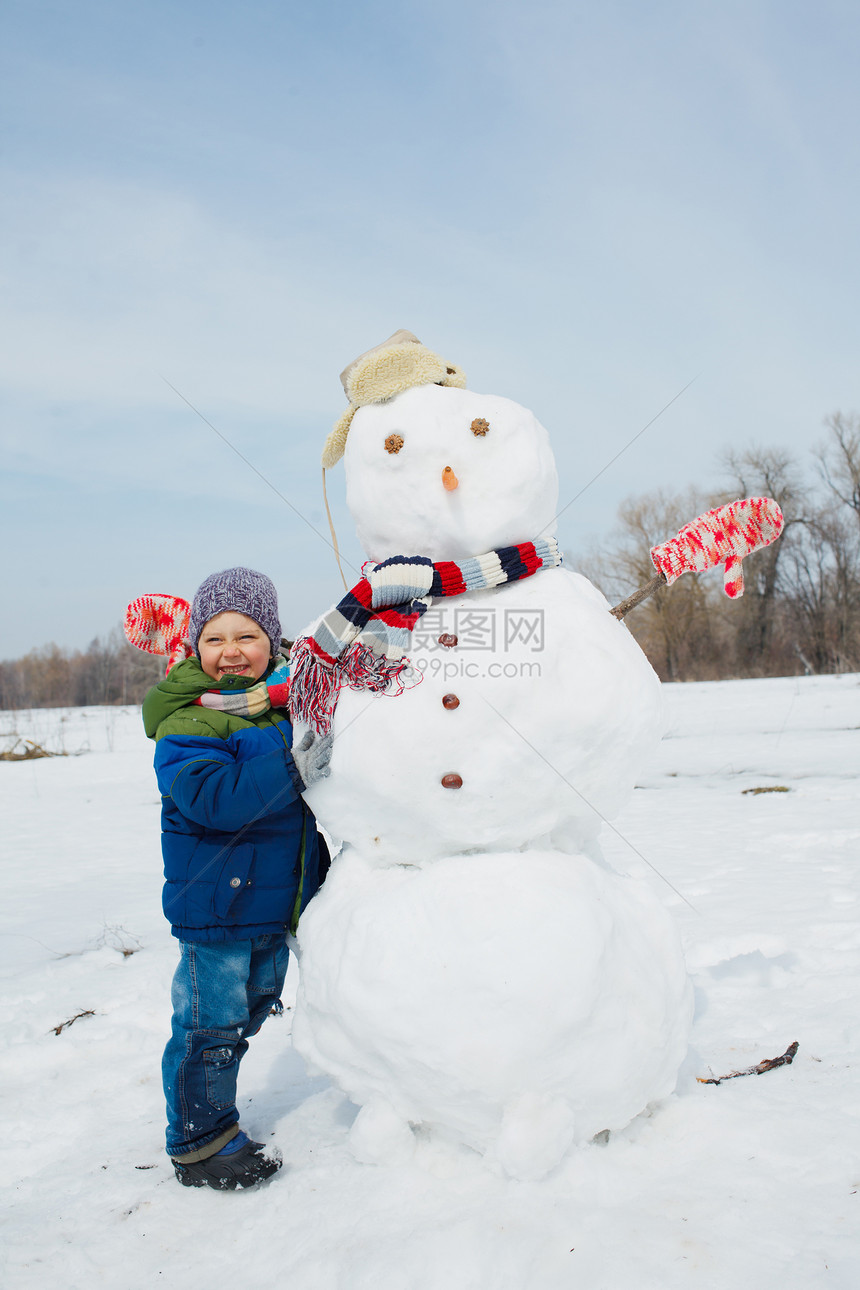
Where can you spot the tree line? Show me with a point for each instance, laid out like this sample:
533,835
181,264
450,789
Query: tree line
800,612
108,671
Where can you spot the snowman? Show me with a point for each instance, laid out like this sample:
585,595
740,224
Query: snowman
473,972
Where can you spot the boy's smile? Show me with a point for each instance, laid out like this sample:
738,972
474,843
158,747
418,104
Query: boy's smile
232,644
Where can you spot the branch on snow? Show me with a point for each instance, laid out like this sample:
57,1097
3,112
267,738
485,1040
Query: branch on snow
71,1021
768,1065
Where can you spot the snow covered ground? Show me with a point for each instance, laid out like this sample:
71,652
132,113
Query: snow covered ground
751,1182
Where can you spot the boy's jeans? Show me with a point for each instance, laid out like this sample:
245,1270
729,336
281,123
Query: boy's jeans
222,993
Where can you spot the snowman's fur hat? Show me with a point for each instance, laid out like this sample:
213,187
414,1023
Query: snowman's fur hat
398,364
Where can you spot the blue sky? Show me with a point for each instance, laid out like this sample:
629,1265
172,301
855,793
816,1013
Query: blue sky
585,205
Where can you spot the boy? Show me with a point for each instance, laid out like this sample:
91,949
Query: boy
241,860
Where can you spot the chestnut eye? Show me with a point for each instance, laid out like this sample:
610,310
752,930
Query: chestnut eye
394,443
480,426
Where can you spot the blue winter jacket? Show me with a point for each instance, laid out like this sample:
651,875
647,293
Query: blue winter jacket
239,845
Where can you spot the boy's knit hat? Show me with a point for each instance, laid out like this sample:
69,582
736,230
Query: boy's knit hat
242,591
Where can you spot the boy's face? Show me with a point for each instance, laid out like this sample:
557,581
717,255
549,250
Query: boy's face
233,644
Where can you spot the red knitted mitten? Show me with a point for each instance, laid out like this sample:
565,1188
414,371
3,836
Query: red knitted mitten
724,535
158,624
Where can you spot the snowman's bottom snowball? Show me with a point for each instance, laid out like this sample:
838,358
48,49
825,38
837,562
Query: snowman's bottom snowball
516,1002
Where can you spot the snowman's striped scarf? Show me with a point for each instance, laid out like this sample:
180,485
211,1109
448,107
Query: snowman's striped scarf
364,640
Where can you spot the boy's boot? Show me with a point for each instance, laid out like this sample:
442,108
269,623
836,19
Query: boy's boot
242,1163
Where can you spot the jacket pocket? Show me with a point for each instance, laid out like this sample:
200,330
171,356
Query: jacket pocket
232,879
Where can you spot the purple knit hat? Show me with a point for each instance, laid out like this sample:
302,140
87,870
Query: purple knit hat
242,591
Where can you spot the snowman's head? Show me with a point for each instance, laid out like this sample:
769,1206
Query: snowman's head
448,473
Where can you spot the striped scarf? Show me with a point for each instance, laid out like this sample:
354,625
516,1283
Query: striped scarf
272,692
364,640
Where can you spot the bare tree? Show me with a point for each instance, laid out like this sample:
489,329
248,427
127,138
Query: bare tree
759,646
823,592
801,606
839,459
832,617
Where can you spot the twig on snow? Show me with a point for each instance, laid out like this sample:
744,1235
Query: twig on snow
90,1012
768,1065
31,751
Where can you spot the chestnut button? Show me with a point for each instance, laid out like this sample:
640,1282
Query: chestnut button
452,781
450,701
448,639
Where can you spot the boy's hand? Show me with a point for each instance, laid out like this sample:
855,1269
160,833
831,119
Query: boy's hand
312,757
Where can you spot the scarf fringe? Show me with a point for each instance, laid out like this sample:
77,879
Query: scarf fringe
316,684
313,693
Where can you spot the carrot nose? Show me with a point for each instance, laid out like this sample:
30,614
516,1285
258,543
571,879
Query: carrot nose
449,479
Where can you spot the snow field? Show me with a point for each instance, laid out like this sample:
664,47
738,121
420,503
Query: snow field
754,1181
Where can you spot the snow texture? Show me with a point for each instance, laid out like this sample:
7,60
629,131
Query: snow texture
752,1182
